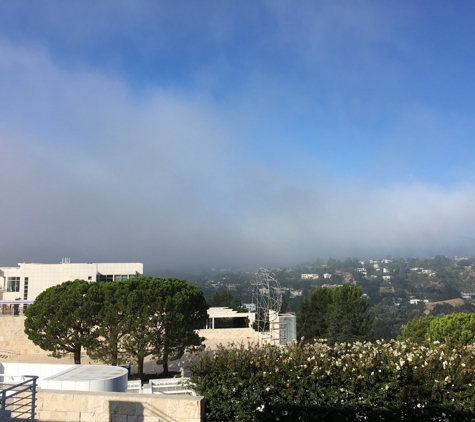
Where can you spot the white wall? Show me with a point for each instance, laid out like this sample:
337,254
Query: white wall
42,276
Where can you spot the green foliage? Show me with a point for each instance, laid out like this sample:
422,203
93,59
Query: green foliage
113,312
348,317
285,306
340,314
312,320
113,321
223,298
362,381
416,329
453,329
142,324
183,311
63,319
163,315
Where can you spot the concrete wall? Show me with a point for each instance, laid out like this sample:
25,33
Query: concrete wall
77,406
13,337
42,370
230,334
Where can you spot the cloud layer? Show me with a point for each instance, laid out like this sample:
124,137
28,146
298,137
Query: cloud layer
97,169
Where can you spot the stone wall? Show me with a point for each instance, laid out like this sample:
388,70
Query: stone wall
13,337
78,406
237,335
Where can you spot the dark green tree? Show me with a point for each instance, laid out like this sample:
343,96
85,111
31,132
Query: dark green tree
63,319
183,311
163,315
142,324
348,316
113,312
223,298
312,320
284,307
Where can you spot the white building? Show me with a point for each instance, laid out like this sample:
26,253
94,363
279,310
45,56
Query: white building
29,279
309,276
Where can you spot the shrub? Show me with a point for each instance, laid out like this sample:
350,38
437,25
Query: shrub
371,381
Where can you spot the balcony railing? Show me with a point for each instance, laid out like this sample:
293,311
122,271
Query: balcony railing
18,398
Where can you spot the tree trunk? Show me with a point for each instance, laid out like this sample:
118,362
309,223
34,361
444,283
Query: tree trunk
77,355
140,368
165,365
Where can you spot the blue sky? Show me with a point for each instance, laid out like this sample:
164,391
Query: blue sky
236,134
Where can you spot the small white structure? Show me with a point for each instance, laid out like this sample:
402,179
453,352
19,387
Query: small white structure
309,276
223,312
172,386
467,295
283,328
251,307
70,377
89,378
295,293
327,275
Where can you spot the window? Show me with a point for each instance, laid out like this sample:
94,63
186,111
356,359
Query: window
25,289
13,284
103,277
120,277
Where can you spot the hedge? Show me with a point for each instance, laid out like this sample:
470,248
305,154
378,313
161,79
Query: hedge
394,380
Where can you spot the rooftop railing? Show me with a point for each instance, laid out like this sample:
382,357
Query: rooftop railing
18,398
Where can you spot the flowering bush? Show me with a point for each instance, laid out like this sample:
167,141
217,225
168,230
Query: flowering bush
358,381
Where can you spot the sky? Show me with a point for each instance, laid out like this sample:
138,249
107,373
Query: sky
237,134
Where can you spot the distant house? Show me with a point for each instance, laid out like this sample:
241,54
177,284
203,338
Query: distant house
326,275
295,293
417,301
386,277
467,295
309,276
251,307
